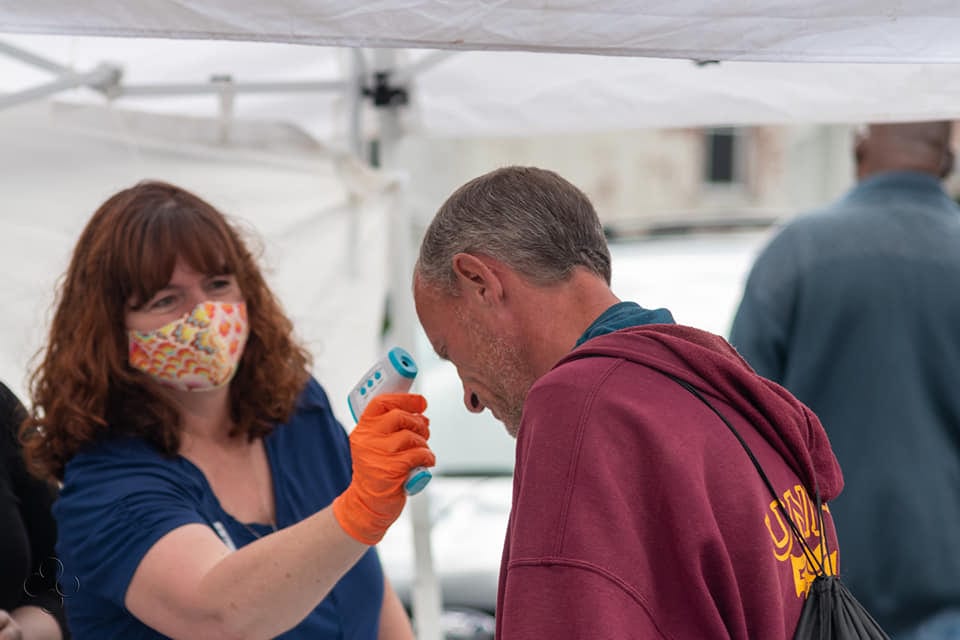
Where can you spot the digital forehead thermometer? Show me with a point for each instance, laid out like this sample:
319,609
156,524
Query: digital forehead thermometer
393,373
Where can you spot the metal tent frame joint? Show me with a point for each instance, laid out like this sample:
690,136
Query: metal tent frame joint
384,94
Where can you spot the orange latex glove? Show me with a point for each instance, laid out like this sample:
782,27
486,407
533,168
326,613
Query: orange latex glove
389,440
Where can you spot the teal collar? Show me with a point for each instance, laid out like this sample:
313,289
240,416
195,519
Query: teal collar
623,315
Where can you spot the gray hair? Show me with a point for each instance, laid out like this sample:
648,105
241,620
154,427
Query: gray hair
530,219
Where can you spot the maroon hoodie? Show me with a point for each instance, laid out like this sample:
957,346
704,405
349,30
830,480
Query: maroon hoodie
637,514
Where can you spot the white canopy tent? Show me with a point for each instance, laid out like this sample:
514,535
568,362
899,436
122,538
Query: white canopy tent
465,69
769,30
464,94
309,211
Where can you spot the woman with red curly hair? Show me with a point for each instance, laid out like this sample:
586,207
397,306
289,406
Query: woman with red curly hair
208,490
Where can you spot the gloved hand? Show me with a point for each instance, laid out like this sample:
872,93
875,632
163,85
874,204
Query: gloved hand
389,440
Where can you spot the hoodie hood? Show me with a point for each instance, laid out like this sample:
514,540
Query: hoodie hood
711,365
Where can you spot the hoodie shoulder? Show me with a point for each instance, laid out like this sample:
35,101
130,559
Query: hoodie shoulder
710,364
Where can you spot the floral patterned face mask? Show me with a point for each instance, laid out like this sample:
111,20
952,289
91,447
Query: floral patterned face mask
198,352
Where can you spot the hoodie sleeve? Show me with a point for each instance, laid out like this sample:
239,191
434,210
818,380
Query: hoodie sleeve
563,570
566,602
636,511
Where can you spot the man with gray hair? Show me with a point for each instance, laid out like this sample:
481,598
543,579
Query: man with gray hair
636,512
855,309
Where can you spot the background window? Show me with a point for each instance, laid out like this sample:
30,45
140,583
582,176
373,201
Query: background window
721,156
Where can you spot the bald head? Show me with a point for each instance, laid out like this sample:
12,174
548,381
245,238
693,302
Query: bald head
905,146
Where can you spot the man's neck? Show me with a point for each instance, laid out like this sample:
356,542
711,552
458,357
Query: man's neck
875,169
558,315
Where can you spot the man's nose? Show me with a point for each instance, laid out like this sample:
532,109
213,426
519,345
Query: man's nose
472,401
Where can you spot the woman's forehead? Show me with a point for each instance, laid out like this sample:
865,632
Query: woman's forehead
175,270
185,273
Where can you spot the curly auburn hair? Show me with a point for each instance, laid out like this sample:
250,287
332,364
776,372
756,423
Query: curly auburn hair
84,389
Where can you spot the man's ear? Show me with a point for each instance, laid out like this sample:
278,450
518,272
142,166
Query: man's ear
859,151
946,165
477,277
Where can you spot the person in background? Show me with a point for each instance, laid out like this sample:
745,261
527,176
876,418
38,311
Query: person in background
31,602
208,490
636,512
855,309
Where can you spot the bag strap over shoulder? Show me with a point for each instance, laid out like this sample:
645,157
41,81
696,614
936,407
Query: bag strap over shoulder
821,563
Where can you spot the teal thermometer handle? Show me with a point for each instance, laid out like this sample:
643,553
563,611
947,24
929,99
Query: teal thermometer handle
393,373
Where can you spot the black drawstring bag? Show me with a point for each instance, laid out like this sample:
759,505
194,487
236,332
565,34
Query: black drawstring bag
830,611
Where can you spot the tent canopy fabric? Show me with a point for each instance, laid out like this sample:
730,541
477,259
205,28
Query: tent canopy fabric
664,63
770,30
483,93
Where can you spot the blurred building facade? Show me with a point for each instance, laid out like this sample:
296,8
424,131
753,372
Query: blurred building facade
659,180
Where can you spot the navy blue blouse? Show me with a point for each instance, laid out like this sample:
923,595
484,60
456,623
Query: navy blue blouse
121,496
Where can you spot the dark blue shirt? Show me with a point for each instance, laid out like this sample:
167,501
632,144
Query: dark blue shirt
121,496
621,316
856,310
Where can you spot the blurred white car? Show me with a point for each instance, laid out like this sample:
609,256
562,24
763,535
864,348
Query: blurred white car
698,277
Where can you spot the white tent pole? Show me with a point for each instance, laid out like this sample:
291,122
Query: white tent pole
103,78
226,96
183,89
33,59
99,78
358,76
426,598
106,79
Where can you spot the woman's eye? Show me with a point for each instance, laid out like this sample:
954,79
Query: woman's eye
218,284
162,303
